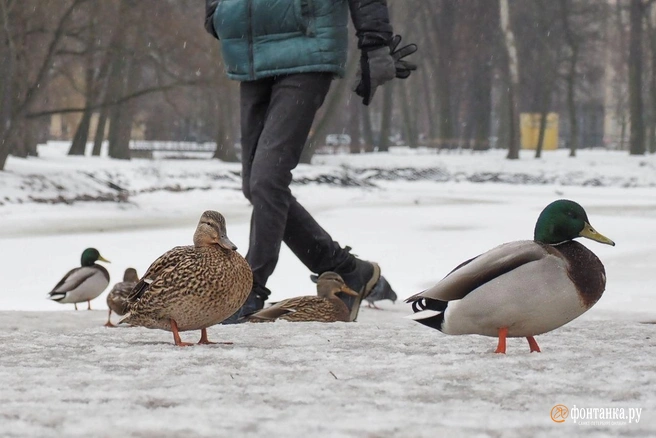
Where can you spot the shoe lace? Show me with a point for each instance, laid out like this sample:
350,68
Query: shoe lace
348,250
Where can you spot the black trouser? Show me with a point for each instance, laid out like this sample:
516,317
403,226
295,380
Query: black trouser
276,117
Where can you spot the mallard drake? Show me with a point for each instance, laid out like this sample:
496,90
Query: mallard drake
117,298
192,287
523,288
325,307
84,283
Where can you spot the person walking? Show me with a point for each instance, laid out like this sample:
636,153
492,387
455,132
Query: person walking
285,55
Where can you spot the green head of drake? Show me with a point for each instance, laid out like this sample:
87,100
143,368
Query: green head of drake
90,256
565,220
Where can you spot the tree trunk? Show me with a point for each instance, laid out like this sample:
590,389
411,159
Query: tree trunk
367,130
546,102
103,114
482,108
513,82
445,26
225,144
100,131
571,108
429,106
432,99
409,122
652,86
353,125
7,72
571,78
386,118
120,130
34,88
335,99
637,136
122,114
225,140
79,144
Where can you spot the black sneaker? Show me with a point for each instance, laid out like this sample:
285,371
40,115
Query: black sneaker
361,276
254,303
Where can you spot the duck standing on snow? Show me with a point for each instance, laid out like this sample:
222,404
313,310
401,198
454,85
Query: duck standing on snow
192,287
523,288
84,283
117,298
325,307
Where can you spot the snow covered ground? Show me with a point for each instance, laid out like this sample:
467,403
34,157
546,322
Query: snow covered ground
417,213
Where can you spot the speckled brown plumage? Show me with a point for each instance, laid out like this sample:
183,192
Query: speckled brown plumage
196,286
326,307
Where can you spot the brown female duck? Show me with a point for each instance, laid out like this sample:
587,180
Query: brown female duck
117,298
192,287
325,307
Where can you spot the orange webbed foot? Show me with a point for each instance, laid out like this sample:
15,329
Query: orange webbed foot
176,335
205,341
501,347
533,344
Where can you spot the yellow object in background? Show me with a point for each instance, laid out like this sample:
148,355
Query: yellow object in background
530,131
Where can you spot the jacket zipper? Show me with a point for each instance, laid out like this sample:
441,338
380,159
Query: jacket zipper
251,62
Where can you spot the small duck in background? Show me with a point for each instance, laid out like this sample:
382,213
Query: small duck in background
325,307
523,288
84,283
192,287
117,298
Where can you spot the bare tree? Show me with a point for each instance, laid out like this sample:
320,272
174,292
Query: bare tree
573,44
16,105
637,139
513,80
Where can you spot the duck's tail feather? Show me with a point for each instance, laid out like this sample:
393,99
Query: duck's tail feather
125,319
428,304
56,296
429,318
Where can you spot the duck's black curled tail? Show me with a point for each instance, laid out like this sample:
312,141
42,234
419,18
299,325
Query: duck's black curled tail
428,304
429,312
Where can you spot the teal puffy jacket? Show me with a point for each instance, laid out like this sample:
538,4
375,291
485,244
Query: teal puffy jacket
262,38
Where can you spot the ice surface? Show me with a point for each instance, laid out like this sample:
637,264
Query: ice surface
63,374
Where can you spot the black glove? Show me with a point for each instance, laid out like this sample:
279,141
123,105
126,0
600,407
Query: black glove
376,68
383,64
403,68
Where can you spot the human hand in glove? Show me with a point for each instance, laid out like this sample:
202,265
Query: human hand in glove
403,68
381,65
376,68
